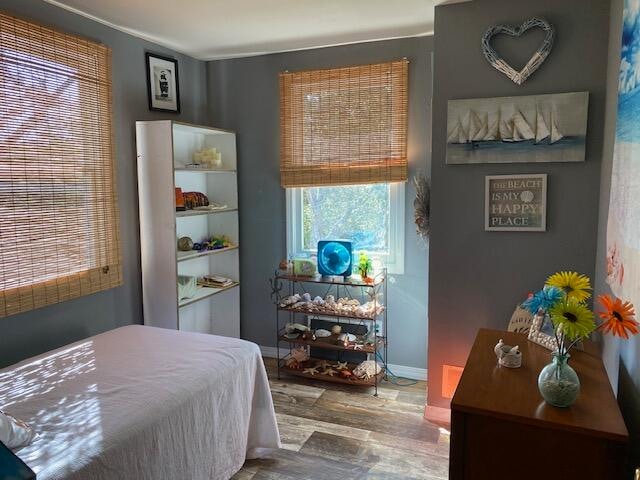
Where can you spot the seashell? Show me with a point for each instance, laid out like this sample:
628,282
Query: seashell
300,354
352,302
290,300
306,297
367,369
336,329
298,305
349,337
322,333
293,363
318,300
185,244
292,327
508,356
330,299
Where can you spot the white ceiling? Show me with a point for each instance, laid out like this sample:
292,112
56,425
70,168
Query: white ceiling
215,29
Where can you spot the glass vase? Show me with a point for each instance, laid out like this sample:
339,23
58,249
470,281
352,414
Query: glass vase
558,382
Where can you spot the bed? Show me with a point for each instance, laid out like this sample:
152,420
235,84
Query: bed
141,402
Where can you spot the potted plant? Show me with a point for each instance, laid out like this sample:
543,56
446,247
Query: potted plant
365,266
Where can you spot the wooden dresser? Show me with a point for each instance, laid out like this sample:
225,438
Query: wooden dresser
502,428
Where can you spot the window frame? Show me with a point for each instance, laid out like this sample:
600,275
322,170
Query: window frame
394,261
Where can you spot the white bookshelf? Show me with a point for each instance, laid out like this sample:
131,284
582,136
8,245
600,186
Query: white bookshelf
164,149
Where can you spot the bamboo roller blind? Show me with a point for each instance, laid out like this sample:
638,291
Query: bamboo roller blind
344,126
59,232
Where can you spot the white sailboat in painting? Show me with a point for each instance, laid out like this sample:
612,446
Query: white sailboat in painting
521,129
458,134
507,125
479,128
493,127
542,131
555,135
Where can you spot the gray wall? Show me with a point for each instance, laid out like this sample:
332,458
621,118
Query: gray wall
40,330
244,96
477,277
620,357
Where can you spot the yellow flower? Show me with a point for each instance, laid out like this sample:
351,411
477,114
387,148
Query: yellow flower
573,317
573,284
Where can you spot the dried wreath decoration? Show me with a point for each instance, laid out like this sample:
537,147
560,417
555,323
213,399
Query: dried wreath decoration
421,205
500,64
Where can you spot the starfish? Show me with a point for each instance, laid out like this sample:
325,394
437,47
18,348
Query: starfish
358,346
329,372
341,366
322,364
311,370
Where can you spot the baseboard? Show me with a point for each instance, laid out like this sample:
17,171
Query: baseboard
438,415
272,352
403,371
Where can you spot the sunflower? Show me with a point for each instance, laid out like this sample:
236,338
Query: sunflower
574,285
574,317
618,317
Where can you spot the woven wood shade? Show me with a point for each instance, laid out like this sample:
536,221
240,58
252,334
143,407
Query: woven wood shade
58,207
344,126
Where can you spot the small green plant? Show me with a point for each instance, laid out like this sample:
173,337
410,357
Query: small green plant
364,265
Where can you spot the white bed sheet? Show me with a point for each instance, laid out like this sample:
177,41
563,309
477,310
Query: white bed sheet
143,403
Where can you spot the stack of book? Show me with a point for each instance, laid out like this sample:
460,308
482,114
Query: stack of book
215,281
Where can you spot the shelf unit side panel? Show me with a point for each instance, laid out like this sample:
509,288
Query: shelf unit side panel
157,223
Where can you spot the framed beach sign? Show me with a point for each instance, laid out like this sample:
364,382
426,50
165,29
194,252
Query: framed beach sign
162,83
535,128
516,203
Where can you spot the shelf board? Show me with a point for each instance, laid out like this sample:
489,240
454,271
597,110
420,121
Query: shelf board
193,213
203,293
182,256
316,313
331,343
204,170
327,378
353,281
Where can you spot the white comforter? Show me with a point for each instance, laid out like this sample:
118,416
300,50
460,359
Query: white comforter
143,403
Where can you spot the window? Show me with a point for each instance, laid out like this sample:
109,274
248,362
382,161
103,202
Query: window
343,158
59,235
370,215
344,126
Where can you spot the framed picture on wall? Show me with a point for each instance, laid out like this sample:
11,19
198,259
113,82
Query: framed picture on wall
162,83
516,203
527,129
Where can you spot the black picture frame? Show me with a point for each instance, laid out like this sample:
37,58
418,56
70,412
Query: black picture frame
172,105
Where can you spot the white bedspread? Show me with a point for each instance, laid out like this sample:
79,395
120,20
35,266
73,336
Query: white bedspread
143,403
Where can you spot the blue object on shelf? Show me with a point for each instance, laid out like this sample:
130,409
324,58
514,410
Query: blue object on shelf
335,257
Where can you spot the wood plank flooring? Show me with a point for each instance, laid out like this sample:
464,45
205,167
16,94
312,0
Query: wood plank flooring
331,431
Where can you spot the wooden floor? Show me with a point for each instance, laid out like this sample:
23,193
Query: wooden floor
333,432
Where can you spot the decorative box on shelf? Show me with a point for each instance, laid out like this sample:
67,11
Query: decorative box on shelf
342,319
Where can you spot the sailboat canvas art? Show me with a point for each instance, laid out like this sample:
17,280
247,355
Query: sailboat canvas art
536,128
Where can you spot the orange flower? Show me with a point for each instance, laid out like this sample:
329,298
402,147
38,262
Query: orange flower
618,317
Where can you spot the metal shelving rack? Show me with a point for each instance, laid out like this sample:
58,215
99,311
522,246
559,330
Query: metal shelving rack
351,287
